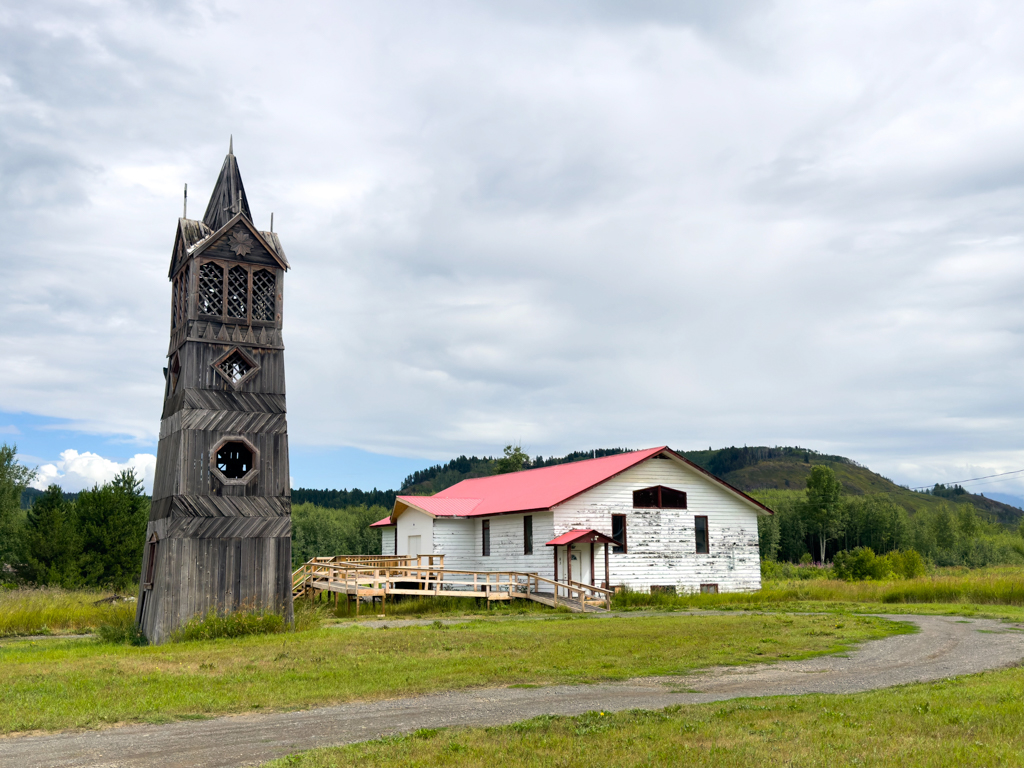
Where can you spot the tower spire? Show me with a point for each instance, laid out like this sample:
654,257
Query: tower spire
228,196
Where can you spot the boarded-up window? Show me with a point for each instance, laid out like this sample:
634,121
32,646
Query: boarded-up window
527,534
485,544
619,533
700,523
659,497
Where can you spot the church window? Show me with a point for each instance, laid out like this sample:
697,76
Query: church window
700,525
619,533
659,497
263,288
211,289
238,292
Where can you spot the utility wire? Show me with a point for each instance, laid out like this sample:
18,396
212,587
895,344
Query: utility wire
971,480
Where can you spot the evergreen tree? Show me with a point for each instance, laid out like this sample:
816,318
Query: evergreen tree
112,521
14,478
51,546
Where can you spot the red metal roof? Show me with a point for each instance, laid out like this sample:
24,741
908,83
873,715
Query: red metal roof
579,533
382,523
535,488
441,506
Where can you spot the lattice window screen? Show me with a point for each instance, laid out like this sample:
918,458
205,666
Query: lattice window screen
263,288
238,291
235,367
181,298
211,289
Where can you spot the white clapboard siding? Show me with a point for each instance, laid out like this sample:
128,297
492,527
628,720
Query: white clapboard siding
413,523
461,542
453,538
387,540
661,543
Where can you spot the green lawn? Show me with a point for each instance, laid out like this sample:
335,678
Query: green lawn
976,720
54,684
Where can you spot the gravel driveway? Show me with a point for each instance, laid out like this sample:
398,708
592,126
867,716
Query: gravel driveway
945,646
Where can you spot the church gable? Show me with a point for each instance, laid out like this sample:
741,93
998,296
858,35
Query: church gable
241,243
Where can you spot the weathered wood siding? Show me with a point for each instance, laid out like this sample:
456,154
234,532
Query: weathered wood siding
661,543
219,544
193,576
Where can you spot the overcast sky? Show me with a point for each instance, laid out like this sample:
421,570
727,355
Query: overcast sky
570,224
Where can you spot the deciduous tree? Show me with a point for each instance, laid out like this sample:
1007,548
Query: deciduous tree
823,512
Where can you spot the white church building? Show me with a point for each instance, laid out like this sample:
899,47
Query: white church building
645,519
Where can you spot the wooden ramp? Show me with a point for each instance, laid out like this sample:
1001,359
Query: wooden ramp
373,576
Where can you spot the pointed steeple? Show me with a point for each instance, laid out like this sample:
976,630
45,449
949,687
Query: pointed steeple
228,196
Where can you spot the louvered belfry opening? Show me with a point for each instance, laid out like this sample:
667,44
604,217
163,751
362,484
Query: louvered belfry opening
238,292
263,295
221,507
211,289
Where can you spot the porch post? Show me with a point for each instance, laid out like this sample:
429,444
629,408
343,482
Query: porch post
607,577
591,562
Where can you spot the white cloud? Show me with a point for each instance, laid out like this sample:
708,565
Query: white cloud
602,224
79,471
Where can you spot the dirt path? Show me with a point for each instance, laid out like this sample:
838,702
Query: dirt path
944,647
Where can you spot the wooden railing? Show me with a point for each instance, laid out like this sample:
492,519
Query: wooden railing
418,576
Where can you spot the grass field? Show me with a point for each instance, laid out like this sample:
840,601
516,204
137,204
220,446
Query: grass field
996,586
56,611
970,721
53,684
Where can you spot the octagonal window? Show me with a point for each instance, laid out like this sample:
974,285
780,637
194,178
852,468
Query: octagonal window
234,459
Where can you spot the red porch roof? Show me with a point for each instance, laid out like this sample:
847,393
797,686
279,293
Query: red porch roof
578,534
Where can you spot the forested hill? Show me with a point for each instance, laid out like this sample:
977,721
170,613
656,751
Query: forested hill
760,468
433,479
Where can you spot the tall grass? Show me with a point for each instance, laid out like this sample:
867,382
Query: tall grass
993,586
417,607
213,625
47,610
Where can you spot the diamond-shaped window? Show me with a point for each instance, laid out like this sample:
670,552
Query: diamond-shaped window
235,367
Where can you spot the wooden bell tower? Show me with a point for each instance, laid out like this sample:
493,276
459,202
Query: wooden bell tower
219,535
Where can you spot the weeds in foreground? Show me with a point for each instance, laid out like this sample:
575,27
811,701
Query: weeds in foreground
975,720
213,625
995,586
46,611
120,629
406,607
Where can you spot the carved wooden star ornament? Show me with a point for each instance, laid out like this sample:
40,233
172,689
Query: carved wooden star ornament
240,243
